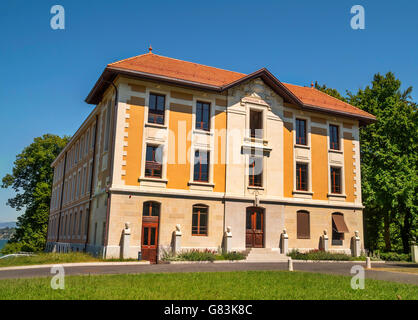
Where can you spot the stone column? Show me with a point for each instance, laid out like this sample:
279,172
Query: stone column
285,242
356,250
126,241
414,254
227,239
325,241
177,239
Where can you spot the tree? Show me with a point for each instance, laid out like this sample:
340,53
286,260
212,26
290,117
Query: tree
32,181
332,92
388,162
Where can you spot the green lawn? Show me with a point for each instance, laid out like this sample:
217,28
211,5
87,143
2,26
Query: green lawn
53,258
250,285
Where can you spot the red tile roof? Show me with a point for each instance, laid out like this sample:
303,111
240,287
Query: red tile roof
314,97
156,65
178,69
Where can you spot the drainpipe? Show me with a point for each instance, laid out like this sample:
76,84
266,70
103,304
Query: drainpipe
112,153
93,168
226,162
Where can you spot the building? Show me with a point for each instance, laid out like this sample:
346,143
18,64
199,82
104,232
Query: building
171,142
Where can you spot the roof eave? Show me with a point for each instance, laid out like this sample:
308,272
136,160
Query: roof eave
363,119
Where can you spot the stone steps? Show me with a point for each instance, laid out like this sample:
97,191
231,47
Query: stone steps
265,255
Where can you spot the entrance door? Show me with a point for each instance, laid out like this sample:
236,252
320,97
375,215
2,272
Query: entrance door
150,223
255,228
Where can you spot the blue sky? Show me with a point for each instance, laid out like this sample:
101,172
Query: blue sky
47,74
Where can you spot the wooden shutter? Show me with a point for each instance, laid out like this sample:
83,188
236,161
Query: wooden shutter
303,225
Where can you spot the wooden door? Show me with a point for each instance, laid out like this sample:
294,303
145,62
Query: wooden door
255,228
150,228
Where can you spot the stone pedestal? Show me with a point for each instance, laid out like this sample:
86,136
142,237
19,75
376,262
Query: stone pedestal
126,241
177,240
325,241
414,254
284,242
356,248
227,240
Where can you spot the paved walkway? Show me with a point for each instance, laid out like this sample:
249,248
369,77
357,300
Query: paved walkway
378,272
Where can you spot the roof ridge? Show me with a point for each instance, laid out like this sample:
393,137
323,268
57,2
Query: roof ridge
200,64
123,60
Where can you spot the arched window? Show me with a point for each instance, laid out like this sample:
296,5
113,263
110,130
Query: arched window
338,229
200,220
151,209
303,225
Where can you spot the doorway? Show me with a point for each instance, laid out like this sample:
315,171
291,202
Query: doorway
254,237
150,228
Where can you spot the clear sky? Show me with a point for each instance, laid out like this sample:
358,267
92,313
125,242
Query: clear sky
46,74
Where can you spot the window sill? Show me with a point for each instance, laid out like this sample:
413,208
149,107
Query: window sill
155,125
201,183
150,179
201,186
302,146
302,194
336,196
335,151
255,188
203,132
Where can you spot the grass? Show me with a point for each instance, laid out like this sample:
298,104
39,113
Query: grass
48,258
251,285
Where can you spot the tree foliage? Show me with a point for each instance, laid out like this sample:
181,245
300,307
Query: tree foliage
388,163
31,179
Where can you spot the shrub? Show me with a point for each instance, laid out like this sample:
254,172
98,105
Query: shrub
232,256
320,255
196,255
394,256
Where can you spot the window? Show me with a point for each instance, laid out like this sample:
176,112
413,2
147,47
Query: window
156,108
303,225
338,229
107,128
256,124
202,116
104,233
153,165
86,222
80,153
335,180
151,209
302,177
80,223
255,171
201,166
76,154
334,139
88,188
200,220
93,136
74,224
95,233
301,132
86,150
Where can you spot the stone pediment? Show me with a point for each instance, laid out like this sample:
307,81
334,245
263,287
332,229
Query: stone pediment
256,92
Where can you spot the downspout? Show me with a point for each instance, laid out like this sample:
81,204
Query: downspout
226,160
93,168
112,153
62,198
